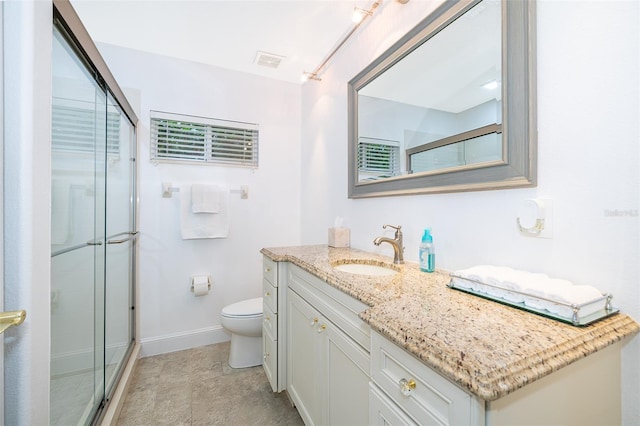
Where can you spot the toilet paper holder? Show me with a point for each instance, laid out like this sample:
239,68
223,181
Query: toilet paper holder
193,282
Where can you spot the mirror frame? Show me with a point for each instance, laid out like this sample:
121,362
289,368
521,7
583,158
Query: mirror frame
519,115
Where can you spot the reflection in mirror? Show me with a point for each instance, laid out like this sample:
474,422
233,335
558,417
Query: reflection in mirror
450,106
434,99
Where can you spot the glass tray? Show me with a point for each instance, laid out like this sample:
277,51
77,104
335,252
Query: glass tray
577,319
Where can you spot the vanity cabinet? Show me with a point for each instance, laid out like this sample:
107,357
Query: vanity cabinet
327,369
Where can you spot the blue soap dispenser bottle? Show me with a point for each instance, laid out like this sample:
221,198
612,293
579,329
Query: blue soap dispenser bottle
427,255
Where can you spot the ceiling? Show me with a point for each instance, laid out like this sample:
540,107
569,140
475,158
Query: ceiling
225,33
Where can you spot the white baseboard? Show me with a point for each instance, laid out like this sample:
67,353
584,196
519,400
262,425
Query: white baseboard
181,341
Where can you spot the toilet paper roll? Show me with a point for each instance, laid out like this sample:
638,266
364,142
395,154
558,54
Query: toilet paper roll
200,285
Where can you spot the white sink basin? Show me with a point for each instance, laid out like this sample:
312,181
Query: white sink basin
363,269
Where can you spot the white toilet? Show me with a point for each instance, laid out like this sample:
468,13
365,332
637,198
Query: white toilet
244,321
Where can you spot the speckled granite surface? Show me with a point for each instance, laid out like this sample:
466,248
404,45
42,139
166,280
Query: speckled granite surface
483,346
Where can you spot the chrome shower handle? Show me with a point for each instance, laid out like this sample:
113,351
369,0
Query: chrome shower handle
131,236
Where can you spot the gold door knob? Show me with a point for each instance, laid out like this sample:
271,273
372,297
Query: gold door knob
9,318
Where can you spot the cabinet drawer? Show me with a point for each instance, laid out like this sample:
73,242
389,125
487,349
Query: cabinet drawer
270,270
270,322
338,307
270,296
270,358
383,411
430,399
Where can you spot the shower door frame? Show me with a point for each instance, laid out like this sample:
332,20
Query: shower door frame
64,13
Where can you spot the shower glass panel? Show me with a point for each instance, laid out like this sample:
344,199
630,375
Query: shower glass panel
77,218
120,233
92,238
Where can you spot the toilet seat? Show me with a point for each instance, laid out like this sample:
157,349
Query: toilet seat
250,308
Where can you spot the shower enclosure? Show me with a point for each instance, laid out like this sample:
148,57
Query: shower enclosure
93,234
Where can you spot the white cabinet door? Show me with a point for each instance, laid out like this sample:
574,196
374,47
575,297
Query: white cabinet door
270,362
346,379
304,358
328,372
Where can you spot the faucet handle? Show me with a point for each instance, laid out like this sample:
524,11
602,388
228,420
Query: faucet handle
397,228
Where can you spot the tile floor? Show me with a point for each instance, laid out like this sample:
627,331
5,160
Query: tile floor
197,387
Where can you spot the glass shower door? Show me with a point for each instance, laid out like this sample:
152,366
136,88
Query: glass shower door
77,238
120,225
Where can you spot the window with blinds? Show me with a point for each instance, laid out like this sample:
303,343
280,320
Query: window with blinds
181,138
378,158
74,130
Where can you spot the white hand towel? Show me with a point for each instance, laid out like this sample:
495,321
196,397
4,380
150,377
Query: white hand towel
205,198
198,225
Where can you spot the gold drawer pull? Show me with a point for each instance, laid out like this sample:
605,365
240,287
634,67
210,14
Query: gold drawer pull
406,386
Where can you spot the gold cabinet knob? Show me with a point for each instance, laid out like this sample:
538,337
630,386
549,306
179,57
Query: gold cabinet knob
406,386
322,328
314,322
267,294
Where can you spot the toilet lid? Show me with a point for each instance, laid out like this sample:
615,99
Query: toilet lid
249,307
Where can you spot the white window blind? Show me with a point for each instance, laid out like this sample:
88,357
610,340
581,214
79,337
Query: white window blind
75,129
182,138
378,157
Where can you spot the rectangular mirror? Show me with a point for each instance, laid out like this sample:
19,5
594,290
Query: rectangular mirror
450,106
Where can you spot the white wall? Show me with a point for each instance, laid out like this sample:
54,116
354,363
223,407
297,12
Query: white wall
27,33
588,109
171,318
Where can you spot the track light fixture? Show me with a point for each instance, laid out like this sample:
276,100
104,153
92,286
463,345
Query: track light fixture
359,15
306,76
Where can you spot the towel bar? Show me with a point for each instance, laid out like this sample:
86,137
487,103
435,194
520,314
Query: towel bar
168,190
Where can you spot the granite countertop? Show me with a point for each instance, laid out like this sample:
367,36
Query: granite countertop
485,347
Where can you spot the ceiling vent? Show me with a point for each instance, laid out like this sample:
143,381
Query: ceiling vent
268,59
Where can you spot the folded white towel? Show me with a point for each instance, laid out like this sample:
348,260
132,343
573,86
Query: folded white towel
457,282
577,294
513,297
535,303
481,274
567,311
197,225
536,290
205,198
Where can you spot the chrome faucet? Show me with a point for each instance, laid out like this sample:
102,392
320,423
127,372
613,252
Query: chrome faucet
396,243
